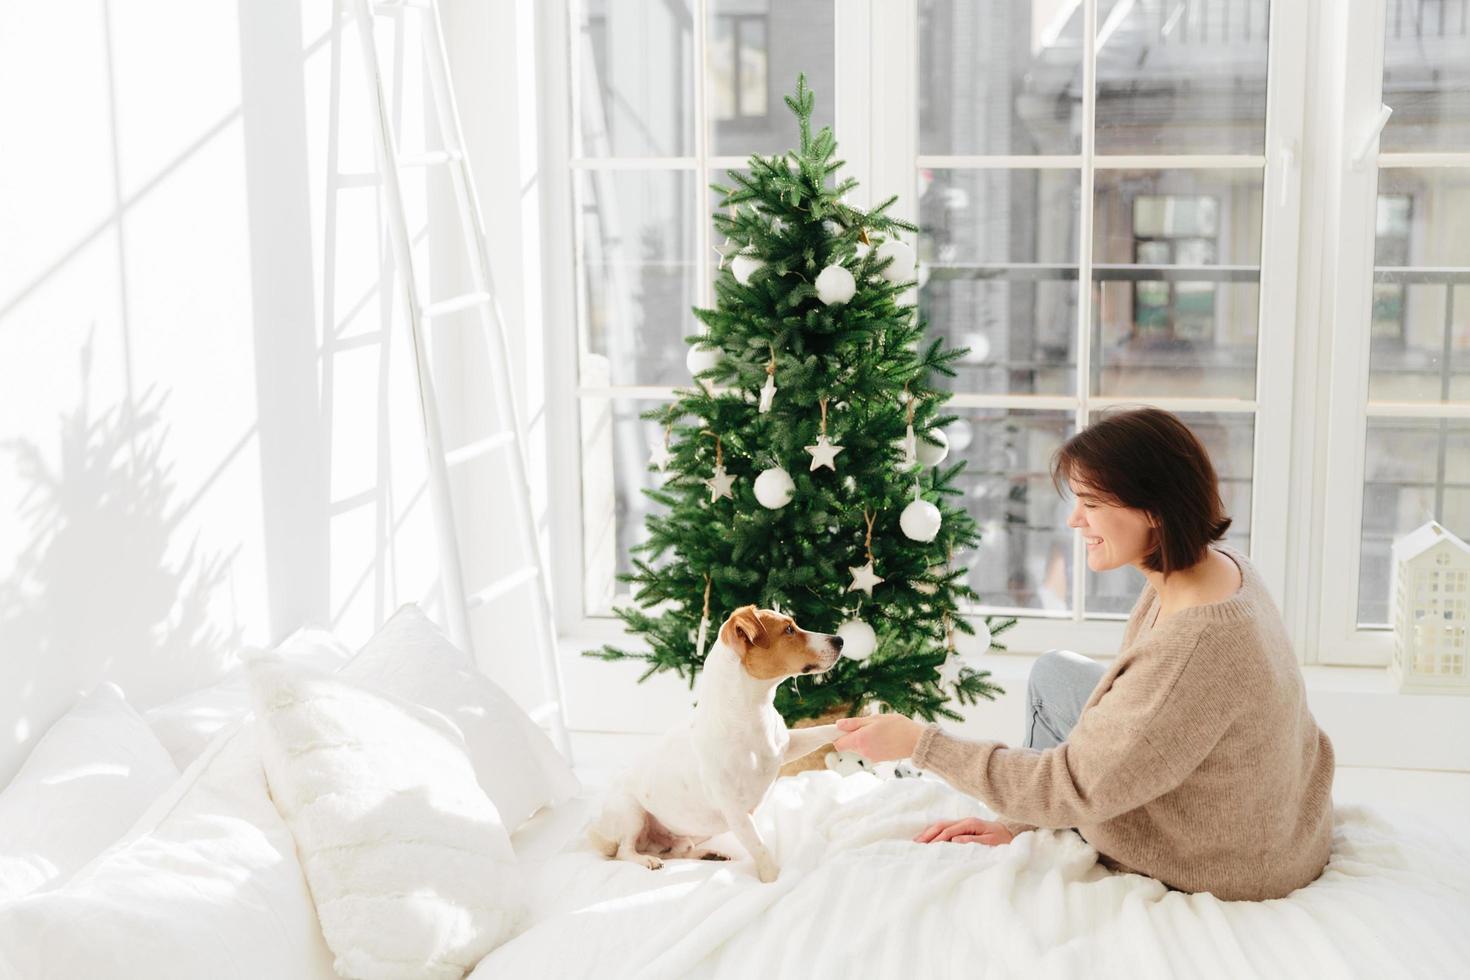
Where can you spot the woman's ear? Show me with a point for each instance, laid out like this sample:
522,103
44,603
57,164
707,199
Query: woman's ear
743,630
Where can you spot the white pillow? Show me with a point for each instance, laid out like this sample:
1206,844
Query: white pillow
409,864
207,885
515,762
89,777
187,724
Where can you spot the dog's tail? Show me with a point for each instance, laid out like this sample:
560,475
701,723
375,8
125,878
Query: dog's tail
606,847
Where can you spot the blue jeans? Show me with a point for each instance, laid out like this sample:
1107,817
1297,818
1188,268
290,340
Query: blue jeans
1059,685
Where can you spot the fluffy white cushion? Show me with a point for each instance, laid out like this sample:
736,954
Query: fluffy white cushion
206,885
409,864
514,761
187,724
90,776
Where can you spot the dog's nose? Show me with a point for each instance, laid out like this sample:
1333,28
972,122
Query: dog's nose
837,642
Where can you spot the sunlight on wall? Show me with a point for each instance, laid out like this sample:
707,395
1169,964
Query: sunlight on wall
201,444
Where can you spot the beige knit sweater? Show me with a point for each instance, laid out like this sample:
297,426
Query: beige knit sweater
1195,761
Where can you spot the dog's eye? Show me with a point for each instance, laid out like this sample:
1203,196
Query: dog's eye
790,630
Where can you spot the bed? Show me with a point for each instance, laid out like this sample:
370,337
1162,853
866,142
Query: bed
217,875
857,899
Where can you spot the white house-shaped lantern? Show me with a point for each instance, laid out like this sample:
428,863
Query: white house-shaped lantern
1431,611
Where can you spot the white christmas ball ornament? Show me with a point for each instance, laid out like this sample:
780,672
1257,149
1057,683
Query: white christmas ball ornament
858,639
973,646
700,359
901,269
774,488
835,285
744,266
963,435
920,520
978,345
931,455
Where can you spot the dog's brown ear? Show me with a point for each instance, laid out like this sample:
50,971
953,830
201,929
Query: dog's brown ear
743,630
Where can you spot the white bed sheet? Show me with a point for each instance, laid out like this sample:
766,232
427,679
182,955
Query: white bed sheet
857,899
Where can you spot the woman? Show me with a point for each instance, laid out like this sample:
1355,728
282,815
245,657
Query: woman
1192,758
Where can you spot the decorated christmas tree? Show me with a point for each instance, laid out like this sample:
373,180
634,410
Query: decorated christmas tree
806,469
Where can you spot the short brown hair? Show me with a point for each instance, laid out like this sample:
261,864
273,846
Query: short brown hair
1147,459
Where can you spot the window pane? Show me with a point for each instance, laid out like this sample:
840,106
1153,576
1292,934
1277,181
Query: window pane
1230,441
1025,552
1415,470
1003,77
754,87
757,49
1181,77
636,61
1000,248
1176,295
1426,75
616,445
637,275
1421,287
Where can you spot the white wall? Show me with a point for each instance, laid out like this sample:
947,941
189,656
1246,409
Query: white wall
174,425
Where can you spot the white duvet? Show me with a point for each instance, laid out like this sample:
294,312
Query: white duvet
857,899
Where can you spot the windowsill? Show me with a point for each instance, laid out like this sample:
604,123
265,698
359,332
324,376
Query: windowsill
1356,680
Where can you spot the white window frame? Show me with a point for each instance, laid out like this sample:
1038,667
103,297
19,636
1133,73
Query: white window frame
877,128
1349,243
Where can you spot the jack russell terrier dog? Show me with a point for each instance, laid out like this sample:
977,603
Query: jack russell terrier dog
708,775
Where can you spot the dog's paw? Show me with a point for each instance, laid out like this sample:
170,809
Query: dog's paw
767,872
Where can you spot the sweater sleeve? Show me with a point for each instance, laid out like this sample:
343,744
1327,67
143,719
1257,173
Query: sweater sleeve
1016,827
1108,765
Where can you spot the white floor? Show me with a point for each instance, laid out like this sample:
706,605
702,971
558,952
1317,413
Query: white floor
1441,798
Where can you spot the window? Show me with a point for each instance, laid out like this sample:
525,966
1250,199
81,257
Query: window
665,97
1174,231
1101,198
1091,199
1391,249
1403,457
738,68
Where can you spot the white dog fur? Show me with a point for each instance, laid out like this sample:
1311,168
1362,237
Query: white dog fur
709,774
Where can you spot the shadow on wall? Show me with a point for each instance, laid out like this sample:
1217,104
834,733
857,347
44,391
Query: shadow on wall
95,593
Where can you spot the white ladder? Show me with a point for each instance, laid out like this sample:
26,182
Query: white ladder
481,298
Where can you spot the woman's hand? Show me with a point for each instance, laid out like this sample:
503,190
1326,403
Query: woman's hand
879,737
970,830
